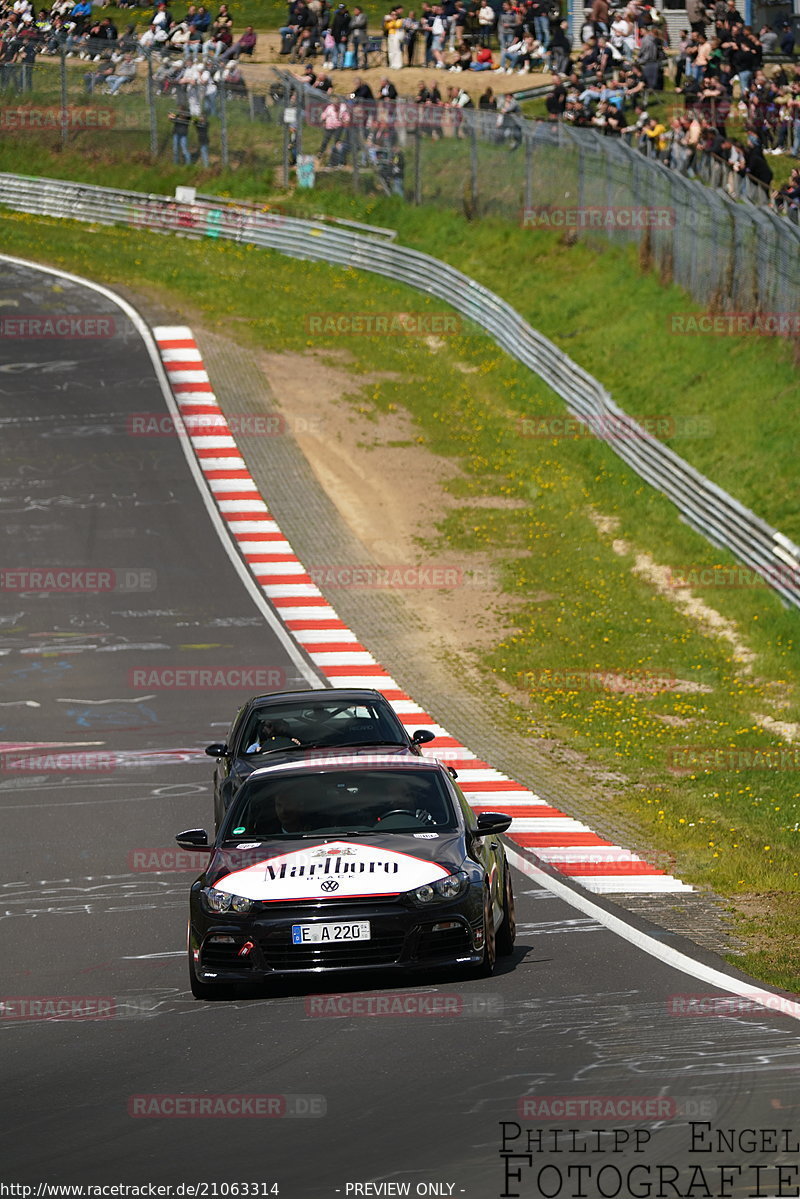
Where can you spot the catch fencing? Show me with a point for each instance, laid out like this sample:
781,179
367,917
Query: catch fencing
709,509
731,255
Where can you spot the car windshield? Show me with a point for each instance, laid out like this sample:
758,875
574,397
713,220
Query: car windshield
338,802
294,725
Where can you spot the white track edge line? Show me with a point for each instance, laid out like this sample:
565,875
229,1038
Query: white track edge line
144,331
656,948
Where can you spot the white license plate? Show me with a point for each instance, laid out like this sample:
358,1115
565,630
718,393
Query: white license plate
330,933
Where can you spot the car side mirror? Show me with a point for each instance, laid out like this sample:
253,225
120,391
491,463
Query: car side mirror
492,822
218,750
422,736
194,838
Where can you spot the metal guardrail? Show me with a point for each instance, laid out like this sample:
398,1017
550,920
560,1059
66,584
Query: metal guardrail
709,509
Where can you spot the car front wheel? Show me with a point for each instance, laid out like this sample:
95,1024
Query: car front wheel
489,937
507,932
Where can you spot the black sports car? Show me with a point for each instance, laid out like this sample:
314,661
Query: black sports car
344,862
286,724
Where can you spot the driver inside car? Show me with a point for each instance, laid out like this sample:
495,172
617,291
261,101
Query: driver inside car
292,811
401,798
271,734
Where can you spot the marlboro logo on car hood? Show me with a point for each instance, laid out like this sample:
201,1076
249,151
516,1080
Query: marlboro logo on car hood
338,869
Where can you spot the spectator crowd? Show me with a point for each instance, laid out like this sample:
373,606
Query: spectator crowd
611,83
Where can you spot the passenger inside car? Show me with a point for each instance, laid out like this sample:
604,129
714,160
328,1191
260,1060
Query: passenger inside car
269,735
320,724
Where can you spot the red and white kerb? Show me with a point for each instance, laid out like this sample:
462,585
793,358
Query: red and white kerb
567,844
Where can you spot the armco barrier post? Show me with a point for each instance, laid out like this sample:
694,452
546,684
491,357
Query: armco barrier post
285,127
223,122
355,147
528,201
62,69
151,106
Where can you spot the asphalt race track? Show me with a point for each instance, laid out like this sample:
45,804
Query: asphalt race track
380,1080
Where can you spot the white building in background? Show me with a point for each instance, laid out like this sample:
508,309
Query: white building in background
755,12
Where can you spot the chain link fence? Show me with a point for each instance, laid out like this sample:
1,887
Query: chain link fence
112,104
731,254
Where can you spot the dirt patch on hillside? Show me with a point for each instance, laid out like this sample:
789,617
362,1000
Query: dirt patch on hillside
390,492
708,619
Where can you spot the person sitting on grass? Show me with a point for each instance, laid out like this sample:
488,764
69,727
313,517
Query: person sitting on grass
246,44
483,60
463,60
124,72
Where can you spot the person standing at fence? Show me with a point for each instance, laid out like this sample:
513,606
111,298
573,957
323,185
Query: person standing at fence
331,123
755,163
410,31
506,24
358,36
697,16
438,31
394,39
180,136
27,57
340,28
649,60
201,126
486,19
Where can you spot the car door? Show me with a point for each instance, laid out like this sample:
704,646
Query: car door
487,850
226,774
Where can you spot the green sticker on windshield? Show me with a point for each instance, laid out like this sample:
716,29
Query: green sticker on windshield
240,829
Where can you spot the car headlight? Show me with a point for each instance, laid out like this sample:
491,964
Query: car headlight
444,888
223,901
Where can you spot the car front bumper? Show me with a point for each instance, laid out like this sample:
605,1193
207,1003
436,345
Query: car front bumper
237,949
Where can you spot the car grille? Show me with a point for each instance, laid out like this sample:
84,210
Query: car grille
276,907
217,955
450,942
382,950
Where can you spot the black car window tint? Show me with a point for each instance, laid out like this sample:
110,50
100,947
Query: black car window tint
342,800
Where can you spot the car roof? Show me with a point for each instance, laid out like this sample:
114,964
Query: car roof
348,761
